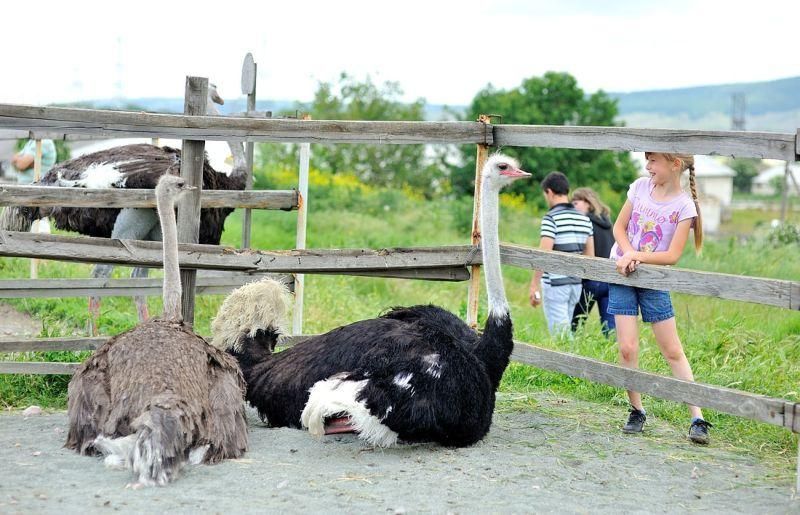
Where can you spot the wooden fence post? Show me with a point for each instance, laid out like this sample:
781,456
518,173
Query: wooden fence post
785,192
248,88
300,241
37,174
192,157
473,296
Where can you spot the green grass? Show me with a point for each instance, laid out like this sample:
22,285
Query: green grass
745,346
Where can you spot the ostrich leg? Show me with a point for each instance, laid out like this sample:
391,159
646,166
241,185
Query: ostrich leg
131,224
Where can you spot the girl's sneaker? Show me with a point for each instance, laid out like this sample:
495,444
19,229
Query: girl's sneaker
635,422
698,431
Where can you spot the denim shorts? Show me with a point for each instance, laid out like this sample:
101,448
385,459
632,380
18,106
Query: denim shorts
656,305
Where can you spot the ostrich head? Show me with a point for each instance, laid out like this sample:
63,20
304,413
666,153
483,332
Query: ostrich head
172,187
213,96
500,171
255,312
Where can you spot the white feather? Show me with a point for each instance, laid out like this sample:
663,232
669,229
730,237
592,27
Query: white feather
99,176
332,396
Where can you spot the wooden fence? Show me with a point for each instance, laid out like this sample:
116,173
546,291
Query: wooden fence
437,263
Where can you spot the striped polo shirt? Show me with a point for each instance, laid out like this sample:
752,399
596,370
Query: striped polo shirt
569,230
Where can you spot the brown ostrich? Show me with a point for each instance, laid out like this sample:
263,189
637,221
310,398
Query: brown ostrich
157,397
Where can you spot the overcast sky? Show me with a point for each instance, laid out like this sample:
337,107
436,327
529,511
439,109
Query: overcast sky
442,51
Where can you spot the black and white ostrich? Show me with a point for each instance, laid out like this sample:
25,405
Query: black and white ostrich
129,166
158,396
414,374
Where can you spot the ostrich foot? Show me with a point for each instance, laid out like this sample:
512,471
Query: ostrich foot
337,425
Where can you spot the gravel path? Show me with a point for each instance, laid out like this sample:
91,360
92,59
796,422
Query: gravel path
546,457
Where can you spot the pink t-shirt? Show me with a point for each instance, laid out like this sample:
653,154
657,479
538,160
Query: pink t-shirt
652,223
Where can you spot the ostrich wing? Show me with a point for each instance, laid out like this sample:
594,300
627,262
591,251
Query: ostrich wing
226,430
427,390
127,166
88,402
436,321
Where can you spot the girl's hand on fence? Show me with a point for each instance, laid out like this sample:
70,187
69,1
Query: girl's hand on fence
626,264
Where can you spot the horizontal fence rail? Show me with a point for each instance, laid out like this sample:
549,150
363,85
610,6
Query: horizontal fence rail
778,412
114,124
424,263
765,145
773,411
59,288
404,262
49,196
772,292
62,122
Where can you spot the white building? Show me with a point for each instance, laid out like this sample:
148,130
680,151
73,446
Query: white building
764,183
714,187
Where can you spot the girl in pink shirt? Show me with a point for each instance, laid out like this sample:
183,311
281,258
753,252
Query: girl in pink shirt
653,227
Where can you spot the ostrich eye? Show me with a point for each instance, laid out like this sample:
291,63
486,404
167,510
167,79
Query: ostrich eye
502,166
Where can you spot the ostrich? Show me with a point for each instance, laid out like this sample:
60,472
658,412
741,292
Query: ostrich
414,374
129,166
158,396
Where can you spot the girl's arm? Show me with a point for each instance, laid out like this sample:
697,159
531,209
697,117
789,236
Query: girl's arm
671,255
621,228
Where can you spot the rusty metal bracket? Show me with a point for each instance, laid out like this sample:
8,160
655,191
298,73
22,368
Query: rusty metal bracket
791,416
486,121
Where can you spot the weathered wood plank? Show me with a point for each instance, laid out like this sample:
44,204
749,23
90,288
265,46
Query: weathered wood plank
114,124
14,195
763,145
726,400
773,292
196,256
57,288
192,156
86,343
451,273
24,367
51,344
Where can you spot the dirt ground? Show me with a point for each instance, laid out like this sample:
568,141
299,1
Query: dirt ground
543,455
14,323
552,457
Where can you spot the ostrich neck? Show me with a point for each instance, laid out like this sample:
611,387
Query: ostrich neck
490,248
172,274
237,148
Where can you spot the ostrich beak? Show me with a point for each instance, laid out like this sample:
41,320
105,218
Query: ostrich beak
216,98
515,173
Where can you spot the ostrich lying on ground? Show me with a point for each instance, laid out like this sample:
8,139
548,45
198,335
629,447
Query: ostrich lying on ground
129,166
158,396
414,374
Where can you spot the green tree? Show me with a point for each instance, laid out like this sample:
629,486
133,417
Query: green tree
554,99
746,169
379,165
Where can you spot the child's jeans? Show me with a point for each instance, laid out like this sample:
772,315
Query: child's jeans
559,304
656,305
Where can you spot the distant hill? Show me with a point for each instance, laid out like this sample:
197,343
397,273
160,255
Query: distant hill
770,106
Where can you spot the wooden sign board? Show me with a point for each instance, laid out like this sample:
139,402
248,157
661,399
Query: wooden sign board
248,75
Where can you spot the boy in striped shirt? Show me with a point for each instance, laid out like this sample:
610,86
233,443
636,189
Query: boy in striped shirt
564,229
